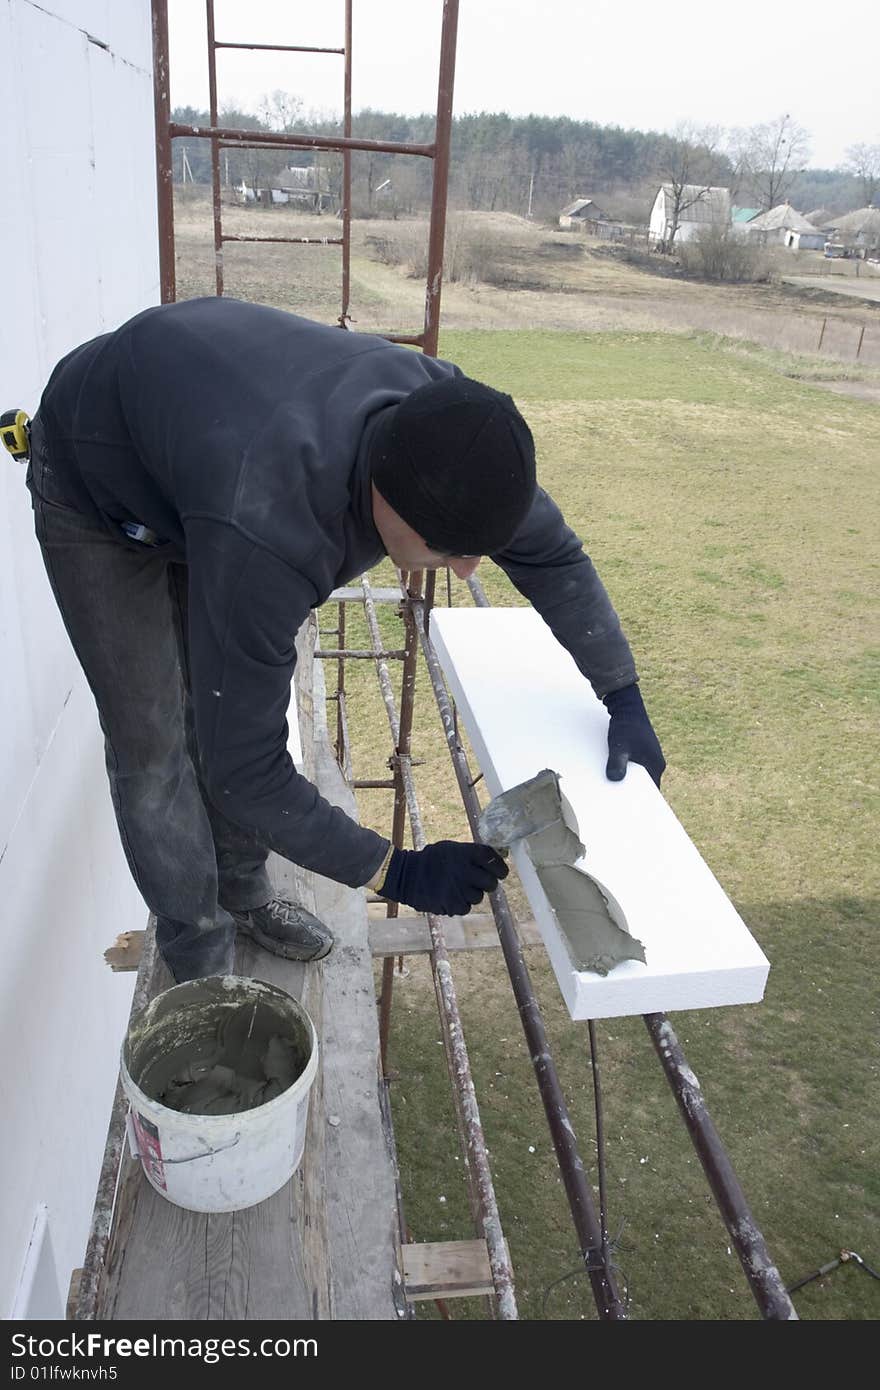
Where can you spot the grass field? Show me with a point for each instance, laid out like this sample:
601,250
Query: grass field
732,513
541,278
732,510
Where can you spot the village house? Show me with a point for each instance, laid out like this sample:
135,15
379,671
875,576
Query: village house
583,213
741,217
859,232
304,186
698,207
785,226
824,220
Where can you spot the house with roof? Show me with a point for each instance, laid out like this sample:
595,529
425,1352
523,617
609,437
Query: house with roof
785,226
304,186
583,213
860,230
824,220
697,207
307,185
740,216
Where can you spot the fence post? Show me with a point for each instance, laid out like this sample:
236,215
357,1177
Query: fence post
861,340
821,335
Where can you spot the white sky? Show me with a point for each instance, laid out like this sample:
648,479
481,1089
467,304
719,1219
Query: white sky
635,63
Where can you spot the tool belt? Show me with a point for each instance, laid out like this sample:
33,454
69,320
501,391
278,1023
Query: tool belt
15,432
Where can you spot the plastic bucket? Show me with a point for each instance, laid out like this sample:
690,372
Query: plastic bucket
218,1162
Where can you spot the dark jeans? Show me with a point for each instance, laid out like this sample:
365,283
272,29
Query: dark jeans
125,610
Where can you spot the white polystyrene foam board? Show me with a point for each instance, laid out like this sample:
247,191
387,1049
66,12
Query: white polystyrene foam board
526,706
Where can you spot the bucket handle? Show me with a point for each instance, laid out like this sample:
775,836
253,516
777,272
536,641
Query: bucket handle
208,1153
191,1158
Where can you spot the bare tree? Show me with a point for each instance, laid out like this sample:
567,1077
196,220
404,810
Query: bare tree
864,161
251,163
690,162
279,110
769,158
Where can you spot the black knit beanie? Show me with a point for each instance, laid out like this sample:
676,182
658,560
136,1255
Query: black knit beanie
456,461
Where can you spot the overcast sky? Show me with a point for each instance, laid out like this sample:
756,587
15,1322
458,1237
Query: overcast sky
643,64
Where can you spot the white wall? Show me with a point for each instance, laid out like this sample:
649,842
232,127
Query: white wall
657,221
78,248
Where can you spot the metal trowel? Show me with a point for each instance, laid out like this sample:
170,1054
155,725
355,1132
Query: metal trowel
589,918
536,808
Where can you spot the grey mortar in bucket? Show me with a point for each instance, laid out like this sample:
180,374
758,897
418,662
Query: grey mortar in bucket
217,1046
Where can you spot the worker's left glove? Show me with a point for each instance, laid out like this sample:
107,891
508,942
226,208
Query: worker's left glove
630,736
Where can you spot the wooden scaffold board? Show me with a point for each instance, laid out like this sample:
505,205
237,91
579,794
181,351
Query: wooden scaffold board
328,1244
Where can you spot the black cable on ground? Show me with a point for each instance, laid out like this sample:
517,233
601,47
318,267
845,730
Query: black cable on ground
596,1259
592,1260
845,1257
600,1140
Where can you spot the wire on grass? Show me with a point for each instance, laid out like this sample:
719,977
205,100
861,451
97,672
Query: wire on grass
843,1258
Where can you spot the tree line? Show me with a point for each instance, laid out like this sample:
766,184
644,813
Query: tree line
535,165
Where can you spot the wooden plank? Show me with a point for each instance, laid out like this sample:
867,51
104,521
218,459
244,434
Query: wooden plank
446,1269
410,935
73,1291
356,595
526,707
360,1191
126,951
327,1244
360,1194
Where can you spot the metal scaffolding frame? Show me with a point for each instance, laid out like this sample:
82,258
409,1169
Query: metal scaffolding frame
415,599
221,137
765,1282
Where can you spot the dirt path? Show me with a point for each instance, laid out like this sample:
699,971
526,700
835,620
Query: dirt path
857,390
856,287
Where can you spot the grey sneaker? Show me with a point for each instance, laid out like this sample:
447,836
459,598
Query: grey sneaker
285,929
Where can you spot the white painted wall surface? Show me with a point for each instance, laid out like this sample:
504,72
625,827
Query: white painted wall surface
659,225
78,250
657,221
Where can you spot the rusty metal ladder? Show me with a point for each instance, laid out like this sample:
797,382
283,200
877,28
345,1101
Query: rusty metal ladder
437,150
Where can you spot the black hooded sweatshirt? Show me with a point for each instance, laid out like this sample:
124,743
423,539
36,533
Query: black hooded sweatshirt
240,436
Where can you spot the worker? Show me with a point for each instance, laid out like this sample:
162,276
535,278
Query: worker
201,478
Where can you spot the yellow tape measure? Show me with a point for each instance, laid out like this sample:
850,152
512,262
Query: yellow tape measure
13,432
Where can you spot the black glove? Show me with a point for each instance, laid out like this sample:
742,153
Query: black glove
447,878
630,736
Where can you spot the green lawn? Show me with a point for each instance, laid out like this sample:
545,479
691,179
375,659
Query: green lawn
732,513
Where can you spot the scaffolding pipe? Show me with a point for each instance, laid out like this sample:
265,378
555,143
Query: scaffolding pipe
400,733
439,190
286,240
280,47
232,135
164,171
475,1155
765,1281
608,1301
764,1278
344,315
342,752
215,150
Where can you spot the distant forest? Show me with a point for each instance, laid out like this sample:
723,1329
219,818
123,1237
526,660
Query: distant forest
500,163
